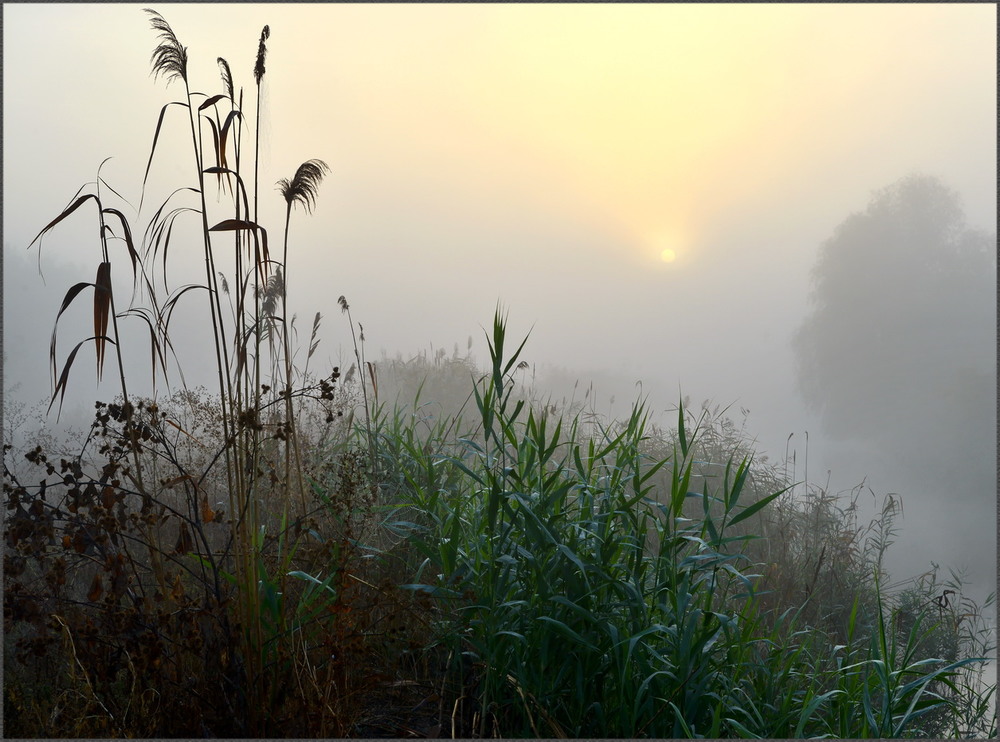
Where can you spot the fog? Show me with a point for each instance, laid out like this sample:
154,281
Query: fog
547,158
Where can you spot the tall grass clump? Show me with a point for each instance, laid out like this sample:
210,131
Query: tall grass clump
589,606
158,563
596,592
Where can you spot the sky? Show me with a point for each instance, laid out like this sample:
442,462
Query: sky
644,187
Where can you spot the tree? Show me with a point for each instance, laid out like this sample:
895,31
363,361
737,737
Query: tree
902,330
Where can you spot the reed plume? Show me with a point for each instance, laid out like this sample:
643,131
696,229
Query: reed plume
227,77
169,58
258,68
303,187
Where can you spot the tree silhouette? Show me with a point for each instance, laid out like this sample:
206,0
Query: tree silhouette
900,341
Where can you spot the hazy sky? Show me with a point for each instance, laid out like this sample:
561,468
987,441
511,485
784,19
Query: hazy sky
544,156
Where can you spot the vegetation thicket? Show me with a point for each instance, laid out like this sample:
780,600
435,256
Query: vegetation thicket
298,554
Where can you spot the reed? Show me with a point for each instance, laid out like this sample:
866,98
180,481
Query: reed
254,401
597,592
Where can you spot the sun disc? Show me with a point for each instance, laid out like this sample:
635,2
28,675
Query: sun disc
668,256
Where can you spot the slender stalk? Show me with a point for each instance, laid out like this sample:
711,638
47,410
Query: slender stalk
170,59
118,352
346,308
302,189
291,430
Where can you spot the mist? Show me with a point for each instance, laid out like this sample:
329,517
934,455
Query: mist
546,158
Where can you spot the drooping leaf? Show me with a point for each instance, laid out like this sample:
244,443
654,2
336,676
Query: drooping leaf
65,213
228,225
224,134
184,542
102,312
161,227
152,151
566,631
102,181
262,256
60,390
218,154
157,356
129,244
239,181
170,304
751,509
210,102
71,294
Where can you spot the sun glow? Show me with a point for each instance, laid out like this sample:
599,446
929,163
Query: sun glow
645,112
609,97
667,246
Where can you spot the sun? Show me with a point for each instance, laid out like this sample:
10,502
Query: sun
666,246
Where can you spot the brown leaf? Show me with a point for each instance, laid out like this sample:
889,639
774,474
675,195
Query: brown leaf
108,497
184,543
102,312
262,256
178,592
207,514
168,483
210,102
96,589
218,169
229,225
224,134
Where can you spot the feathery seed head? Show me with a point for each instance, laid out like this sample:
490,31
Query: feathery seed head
227,77
303,187
258,68
169,58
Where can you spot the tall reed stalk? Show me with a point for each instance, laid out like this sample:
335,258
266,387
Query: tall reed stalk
302,190
244,414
